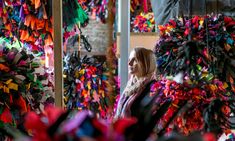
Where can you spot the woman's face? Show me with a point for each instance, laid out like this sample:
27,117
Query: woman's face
133,65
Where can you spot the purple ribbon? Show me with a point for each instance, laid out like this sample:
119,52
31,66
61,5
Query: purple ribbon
22,16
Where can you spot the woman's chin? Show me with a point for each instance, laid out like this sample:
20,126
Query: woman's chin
131,73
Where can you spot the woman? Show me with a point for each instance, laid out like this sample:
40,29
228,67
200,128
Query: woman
142,67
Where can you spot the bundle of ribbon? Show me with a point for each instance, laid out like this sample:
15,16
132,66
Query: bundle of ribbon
85,84
210,53
24,84
143,23
202,69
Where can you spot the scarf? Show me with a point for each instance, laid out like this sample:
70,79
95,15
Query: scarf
133,89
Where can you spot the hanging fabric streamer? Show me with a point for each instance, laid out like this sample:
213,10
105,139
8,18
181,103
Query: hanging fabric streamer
85,42
73,13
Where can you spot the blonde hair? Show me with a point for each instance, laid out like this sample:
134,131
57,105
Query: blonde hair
146,61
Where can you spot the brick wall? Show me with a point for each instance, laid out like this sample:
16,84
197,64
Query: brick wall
97,33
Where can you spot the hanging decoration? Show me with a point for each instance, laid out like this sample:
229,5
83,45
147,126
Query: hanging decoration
97,9
28,22
142,18
143,23
27,25
188,118
113,85
73,14
23,79
144,5
210,53
85,84
199,72
31,21
87,78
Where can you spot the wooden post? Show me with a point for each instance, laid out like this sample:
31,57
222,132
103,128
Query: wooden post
58,51
79,40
